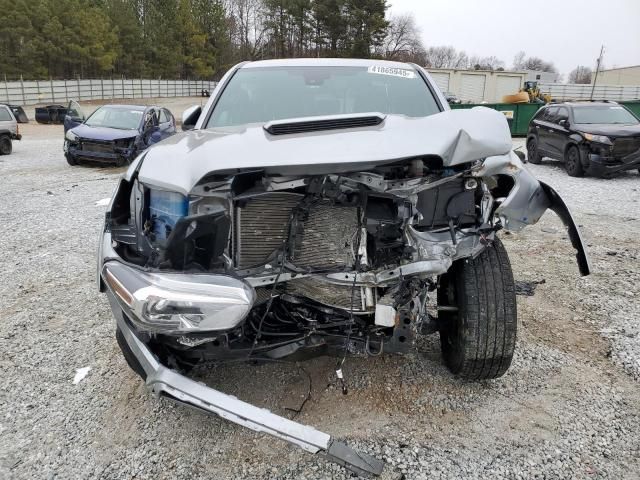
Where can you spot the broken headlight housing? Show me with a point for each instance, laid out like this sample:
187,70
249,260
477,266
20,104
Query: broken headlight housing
597,138
72,137
179,303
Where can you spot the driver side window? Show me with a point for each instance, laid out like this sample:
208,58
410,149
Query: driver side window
551,114
563,114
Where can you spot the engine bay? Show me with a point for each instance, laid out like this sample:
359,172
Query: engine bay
335,260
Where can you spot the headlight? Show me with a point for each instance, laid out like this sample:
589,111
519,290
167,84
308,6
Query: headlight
72,137
597,138
179,303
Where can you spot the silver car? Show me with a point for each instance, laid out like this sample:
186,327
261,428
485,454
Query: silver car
9,130
319,207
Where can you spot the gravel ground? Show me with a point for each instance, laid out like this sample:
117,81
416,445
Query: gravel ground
568,408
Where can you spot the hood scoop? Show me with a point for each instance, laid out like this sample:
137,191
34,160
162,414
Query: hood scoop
318,124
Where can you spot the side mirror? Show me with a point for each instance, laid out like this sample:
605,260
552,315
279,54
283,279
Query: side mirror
563,123
190,117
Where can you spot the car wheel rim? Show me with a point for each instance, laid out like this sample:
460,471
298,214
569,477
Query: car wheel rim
571,160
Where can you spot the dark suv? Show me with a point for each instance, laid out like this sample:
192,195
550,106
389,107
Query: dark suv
595,138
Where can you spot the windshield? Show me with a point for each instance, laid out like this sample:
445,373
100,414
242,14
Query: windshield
259,95
5,114
110,117
603,114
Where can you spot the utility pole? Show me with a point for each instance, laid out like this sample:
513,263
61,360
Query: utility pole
595,78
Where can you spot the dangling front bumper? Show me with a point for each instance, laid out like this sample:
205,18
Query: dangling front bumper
163,381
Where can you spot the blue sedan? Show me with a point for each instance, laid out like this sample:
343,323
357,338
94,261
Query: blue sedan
114,133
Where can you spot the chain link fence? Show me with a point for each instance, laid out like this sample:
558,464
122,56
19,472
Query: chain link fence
573,91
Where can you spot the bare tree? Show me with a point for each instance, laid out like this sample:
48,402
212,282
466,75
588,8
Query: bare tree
248,30
580,74
462,60
518,60
522,62
486,63
449,57
403,39
441,57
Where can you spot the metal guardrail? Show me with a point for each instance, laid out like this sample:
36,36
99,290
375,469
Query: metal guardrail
23,92
573,91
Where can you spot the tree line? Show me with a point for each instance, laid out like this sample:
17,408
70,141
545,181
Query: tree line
201,39
179,38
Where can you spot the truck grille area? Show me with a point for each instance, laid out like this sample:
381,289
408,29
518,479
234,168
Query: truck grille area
323,237
260,226
625,146
333,295
100,147
327,238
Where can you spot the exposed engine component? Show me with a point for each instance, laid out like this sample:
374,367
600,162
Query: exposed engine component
324,237
341,261
260,226
320,236
339,296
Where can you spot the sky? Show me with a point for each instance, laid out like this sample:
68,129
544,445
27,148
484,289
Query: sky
566,32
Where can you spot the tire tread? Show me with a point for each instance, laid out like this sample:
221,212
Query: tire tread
487,322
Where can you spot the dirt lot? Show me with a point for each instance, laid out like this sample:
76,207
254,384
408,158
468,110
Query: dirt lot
568,408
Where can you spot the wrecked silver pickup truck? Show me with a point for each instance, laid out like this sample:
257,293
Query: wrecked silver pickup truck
319,207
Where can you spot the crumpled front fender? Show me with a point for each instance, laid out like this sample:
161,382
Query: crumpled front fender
557,205
527,201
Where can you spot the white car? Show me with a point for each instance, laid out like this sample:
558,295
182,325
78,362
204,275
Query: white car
9,130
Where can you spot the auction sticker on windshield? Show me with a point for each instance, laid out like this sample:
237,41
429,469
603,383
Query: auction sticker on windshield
395,72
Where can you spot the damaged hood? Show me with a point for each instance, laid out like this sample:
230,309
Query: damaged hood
103,133
457,136
608,129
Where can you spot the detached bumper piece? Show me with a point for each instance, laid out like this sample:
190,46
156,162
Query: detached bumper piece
103,155
557,205
604,165
163,381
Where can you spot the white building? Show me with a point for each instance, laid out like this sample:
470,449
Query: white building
478,86
542,77
619,76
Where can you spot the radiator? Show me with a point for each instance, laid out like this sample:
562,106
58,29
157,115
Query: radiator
325,240
260,226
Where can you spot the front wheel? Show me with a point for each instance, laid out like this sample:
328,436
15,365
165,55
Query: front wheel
533,155
572,162
70,159
477,315
5,145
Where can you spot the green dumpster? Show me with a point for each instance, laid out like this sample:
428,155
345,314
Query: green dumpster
518,114
634,106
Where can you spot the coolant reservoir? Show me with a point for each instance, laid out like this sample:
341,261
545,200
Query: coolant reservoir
165,209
